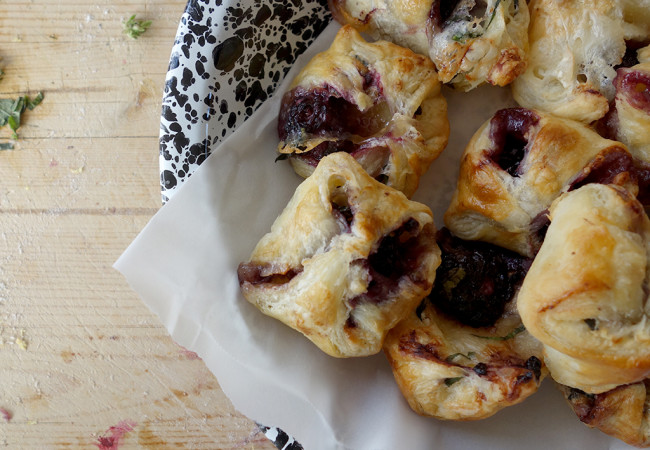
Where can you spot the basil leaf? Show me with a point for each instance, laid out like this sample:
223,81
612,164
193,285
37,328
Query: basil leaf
31,104
135,28
450,381
11,110
469,356
510,335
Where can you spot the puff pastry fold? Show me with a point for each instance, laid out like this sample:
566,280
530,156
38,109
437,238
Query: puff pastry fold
585,296
623,412
516,164
346,260
470,41
377,101
575,47
453,365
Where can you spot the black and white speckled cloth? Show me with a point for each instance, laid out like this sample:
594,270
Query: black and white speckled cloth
228,58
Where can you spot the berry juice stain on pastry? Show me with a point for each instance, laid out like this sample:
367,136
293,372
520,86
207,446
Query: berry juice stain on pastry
516,164
463,354
585,295
628,119
622,412
470,41
575,49
360,257
378,102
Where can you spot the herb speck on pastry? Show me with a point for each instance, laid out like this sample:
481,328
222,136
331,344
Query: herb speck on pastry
471,42
469,363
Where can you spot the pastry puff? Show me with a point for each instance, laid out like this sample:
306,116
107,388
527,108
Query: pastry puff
516,164
585,295
574,48
452,371
632,107
628,119
469,41
623,412
346,260
377,101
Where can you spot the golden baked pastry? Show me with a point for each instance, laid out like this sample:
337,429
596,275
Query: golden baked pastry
346,260
469,41
377,101
516,164
575,46
585,295
623,412
632,109
628,119
449,368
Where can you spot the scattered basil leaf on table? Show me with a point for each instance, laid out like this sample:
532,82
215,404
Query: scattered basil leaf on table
12,109
135,28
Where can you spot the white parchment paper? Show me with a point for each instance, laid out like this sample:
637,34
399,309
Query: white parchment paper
183,265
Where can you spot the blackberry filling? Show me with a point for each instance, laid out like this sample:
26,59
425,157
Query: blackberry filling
605,168
397,255
635,85
538,227
252,273
319,112
508,132
476,280
323,112
445,12
342,212
642,175
630,57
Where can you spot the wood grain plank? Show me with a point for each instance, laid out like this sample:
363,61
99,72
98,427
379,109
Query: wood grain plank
81,357
68,176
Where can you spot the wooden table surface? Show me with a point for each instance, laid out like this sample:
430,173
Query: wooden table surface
83,362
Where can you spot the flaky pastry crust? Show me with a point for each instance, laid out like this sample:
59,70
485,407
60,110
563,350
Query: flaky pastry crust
471,42
346,260
452,371
516,164
377,101
585,295
575,46
623,412
632,108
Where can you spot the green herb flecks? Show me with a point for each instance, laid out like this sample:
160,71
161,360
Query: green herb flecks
454,277
450,381
461,37
135,28
469,356
494,12
11,111
510,335
6,146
